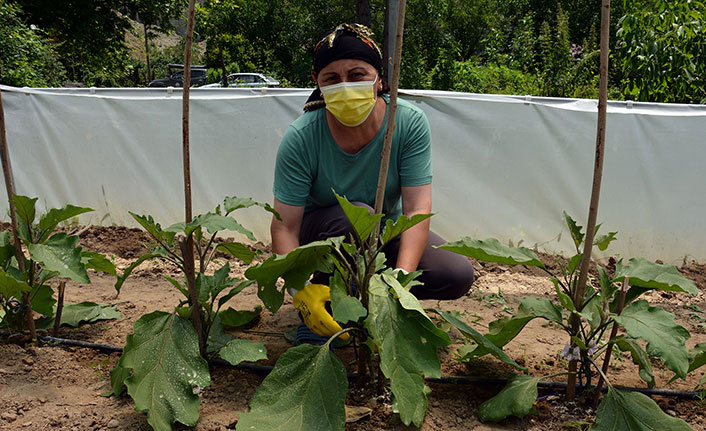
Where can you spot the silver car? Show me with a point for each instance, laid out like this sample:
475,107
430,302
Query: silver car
246,80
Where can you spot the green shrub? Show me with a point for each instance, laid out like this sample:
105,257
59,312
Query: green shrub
27,57
493,79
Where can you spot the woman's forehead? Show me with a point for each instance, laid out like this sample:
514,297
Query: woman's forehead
346,65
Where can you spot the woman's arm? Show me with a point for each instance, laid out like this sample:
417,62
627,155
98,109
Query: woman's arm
285,232
415,200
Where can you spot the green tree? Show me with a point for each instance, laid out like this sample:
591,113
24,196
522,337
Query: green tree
259,36
27,57
156,16
662,52
90,36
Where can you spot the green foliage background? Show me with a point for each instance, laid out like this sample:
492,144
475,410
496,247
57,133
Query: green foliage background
537,47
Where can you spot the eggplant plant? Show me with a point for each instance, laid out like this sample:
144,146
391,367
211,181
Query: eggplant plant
47,256
609,314
371,302
162,364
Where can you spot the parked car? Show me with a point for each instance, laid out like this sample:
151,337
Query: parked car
247,80
176,79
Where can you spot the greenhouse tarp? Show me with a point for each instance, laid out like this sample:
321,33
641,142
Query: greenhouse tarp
504,166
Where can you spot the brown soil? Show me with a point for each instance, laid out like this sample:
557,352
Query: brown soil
44,387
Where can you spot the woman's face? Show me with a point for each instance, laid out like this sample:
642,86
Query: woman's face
347,70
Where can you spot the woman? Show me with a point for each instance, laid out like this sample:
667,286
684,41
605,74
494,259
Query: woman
339,148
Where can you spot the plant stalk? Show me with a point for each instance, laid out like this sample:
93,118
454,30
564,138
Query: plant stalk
187,245
596,189
59,307
10,187
609,349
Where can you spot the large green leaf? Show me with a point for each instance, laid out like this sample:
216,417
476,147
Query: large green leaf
491,250
363,222
306,391
158,252
407,341
233,203
98,262
54,216
516,399
43,300
393,229
163,354
665,339
639,357
502,331
89,312
240,285
576,231
210,286
603,241
652,275
294,267
61,254
117,378
345,308
454,318
10,287
7,248
238,250
153,228
633,411
697,359
214,223
239,350
217,336
25,210
233,318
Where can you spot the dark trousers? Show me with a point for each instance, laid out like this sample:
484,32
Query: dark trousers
445,275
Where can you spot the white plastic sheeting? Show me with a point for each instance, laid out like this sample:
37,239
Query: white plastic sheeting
504,166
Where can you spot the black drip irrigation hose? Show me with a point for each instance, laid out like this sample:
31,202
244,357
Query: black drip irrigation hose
453,380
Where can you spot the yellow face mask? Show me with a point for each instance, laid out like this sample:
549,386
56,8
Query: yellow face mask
350,102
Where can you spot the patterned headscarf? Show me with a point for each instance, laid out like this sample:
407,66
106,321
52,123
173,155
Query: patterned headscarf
347,41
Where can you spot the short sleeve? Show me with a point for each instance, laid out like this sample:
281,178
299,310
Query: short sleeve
293,174
415,157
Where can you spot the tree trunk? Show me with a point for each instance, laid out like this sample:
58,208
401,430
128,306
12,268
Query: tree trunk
147,54
224,77
364,12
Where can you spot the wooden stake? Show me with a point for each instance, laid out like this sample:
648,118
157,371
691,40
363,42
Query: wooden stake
187,245
390,129
59,308
596,190
10,187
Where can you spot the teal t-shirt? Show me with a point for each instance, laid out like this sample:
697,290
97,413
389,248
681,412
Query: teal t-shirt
310,164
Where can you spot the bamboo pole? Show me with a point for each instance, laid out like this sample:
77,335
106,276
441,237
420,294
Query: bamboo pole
390,129
596,190
187,245
10,187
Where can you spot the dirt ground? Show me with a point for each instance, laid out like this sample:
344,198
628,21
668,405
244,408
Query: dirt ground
59,387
